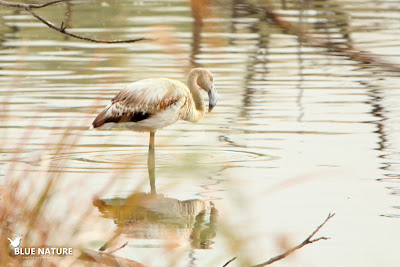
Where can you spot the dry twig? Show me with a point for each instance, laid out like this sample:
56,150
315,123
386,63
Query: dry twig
62,28
121,247
105,259
25,6
307,241
226,264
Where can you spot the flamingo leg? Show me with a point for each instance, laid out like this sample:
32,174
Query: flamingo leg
151,163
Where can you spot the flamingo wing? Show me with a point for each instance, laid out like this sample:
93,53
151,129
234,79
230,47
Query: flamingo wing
142,100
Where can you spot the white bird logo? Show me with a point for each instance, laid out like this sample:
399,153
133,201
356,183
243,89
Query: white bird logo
15,243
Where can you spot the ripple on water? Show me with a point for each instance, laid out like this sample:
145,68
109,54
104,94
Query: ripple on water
165,157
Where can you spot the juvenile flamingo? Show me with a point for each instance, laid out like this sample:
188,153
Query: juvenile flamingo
151,104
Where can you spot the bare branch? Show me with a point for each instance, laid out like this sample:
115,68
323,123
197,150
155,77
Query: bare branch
307,241
112,251
226,264
105,259
21,5
62,29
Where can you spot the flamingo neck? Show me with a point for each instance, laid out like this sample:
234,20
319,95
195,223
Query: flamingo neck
198,111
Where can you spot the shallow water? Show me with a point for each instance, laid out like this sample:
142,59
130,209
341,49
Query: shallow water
296,134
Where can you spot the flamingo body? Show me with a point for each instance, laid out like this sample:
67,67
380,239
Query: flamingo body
152,104
147,105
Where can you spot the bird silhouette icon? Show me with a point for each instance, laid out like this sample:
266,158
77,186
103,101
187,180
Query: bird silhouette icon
16,242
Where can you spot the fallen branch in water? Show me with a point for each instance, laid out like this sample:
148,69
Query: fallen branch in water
105,259
62,28
334,48
307,241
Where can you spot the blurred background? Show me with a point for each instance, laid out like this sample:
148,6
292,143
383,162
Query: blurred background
304,126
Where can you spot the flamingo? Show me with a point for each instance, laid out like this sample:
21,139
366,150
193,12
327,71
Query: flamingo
152,104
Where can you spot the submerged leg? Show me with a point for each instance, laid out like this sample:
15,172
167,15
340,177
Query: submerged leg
152,164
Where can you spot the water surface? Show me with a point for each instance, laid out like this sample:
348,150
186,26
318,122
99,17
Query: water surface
297,132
